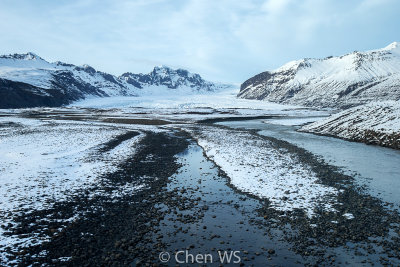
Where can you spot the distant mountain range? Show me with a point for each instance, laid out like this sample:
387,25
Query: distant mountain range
336,82
27,80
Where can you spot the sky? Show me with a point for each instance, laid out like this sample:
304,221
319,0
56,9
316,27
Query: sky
226,41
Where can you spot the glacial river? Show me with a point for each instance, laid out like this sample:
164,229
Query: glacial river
376,168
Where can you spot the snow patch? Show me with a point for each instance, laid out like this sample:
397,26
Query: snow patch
255,166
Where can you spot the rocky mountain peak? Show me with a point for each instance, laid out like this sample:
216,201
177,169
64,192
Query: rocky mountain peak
168,77
26,56
86,68
393,47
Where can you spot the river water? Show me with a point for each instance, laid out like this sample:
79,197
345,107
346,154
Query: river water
376,168
228,224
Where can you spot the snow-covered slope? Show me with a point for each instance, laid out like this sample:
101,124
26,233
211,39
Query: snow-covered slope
34,70
339,82
28,80
373,123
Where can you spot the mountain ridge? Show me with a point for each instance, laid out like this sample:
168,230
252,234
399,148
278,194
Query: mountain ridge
336,82
36,77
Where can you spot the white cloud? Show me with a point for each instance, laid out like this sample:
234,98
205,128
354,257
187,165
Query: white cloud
275,7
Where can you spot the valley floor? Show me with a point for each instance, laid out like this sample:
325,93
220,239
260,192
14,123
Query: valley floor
100,185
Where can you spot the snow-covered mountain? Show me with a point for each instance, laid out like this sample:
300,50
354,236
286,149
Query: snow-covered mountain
27,80
340,82
173,79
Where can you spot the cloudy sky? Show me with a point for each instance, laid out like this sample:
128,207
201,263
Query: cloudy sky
222,40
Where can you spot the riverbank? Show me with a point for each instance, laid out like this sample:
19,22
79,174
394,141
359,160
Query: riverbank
374,123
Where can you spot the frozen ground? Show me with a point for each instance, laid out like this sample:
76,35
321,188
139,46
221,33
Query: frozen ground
42,162
255,166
